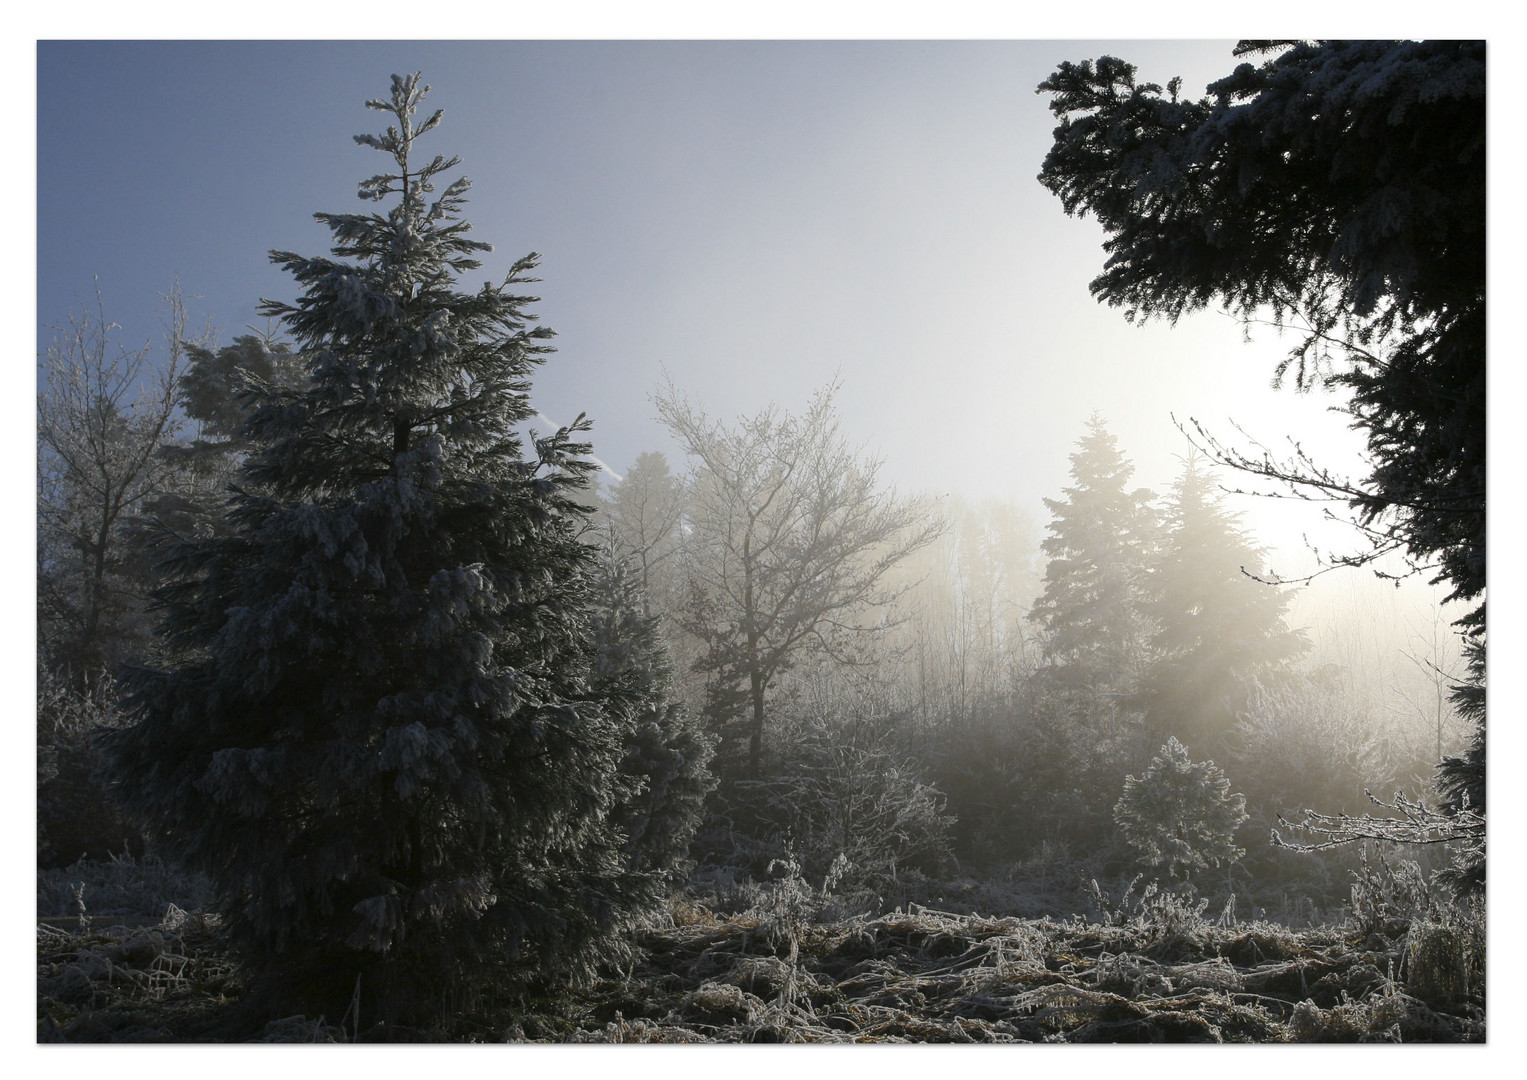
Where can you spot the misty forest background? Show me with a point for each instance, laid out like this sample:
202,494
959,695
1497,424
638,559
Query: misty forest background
324,621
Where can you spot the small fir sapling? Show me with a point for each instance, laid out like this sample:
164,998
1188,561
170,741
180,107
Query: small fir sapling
1179,814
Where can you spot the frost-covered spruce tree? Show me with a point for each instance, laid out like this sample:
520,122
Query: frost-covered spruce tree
381,739
666,751
1180,815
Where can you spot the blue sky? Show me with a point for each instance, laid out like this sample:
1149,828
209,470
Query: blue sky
748,218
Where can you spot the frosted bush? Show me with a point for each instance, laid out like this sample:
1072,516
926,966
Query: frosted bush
1180,815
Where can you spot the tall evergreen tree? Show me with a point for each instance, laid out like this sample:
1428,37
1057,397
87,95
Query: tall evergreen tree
380,739
1084,730
1216,627
1099,546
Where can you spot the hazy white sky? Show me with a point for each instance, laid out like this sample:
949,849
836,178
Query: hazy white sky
750,217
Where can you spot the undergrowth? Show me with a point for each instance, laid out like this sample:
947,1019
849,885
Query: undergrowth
119,886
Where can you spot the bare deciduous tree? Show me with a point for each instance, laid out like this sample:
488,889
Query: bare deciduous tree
103,414
788,539
643,514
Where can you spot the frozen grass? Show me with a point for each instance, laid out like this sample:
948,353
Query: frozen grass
931,976
1159,969
167,982
119,887
788,960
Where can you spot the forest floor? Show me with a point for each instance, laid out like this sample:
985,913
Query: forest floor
776,975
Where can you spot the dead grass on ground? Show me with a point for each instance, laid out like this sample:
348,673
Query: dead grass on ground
910,976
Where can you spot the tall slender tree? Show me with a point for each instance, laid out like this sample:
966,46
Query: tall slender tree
790,540
1099,547
380,738
104,417
1216,627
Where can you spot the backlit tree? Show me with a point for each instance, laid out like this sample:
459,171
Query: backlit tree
1339,188
1100,543
790,538
1216,628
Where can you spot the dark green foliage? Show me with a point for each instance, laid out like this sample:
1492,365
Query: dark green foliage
380,738
666,751
1353,163
1215,627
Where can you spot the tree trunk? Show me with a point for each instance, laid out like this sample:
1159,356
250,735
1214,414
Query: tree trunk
755,744
755,670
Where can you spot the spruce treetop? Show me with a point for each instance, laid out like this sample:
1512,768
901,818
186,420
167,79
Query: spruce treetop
399,358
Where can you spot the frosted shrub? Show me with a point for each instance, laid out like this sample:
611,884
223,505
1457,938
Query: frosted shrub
1180,815
1309,741
856,814
1387,893
1445,956
76,818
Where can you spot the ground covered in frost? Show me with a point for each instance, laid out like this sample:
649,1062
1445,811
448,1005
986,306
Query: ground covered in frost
910,976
